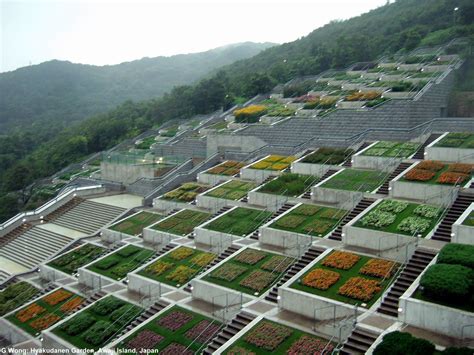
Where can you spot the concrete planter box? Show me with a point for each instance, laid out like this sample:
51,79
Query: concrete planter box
435,68
214,204
212,179
433,194
333,82
460,232
386,164
374,76
269,201
52,341
147,287
339,198
91,279
294,244
299,167
213,238
398,95
449,154
157,237
257,175
167,205
11,332
348,105
51,274
410,67
218,295
111,236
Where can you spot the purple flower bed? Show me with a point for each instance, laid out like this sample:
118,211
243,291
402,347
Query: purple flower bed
175,348
144,340
310,345
202,331
174,320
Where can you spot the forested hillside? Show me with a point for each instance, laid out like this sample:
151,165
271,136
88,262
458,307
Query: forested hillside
397,27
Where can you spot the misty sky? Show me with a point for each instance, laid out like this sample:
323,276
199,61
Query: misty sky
109,32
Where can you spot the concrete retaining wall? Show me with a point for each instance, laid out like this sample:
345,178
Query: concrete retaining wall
157,237
212,179
455,155
462,233
93,280
167,205
218,295
269,201
318,170
339,198
435,194
147,287
213,238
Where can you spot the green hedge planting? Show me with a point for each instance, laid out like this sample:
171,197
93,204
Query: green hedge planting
461,254
448,282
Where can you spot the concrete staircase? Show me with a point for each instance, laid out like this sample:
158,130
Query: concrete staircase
462,202
94,298
280,211
420,153
383,190
358,342
15,233
34,246
89,216
358,209
63,209
311,254
415,266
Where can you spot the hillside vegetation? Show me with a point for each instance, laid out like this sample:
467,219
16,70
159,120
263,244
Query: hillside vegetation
397,27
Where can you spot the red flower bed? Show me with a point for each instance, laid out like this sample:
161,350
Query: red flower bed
430,165
461,168
321,279
29,312
174,320
57,297
378,268
310,345
258,280
341,260
45,322
144,340
419,175
268,335
360,288
452,178
71,304
203,331
250,256
175,348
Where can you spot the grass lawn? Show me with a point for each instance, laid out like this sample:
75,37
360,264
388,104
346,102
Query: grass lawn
279,344
469,221
70,262
119,264
332,156
273,162
178,267
46,311
232,190
95,326
165,332
240,221
251,271
457,140
344,276
134,225
356,180
381,216
310,219
392,149
185,193
438,173
289,185
182,223
227,168
15,295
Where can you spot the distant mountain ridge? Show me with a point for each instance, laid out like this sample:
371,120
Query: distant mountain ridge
63,92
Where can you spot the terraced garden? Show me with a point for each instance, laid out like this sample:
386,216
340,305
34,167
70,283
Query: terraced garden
356,180
15,295
331,156
185,193
273,162
401,217
251,271
457,140
70,262
134,225
95,326
178,267
46,311
469,221
239,221
232,190
310,219
392,149
348,278
118,264
182,223
227,168
289,185
436,172
175,331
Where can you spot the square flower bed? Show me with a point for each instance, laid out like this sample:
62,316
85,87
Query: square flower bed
436,172
182,223
73,260
310,219
46,311
178,267
232,190
348,277
15,295
356,180
288,184
174,331
185,193
401,217
96,326
392,149
331,156
227,168
273,162
457,140
134,225
250,271
118,264
270,337
239,221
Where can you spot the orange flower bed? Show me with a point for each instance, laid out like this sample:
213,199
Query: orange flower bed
378,268
461,168
45,321
360,288
430,165
29,312
452,178
71,304
341,260
321,279
57,297
419,175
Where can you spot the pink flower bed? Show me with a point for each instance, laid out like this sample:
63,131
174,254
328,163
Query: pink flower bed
268,335
144,340
309,345
175,348
203,331
174,320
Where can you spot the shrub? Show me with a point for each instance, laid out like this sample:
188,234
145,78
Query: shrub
15,295
123,269
454,253
124,315
249,114
106,263
446,282
427,211
290,221
128,251
392,206
99,332
448,142
107,305
414,225
378,219
78,324
403,343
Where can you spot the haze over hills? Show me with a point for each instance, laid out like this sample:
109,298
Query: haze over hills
65,92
